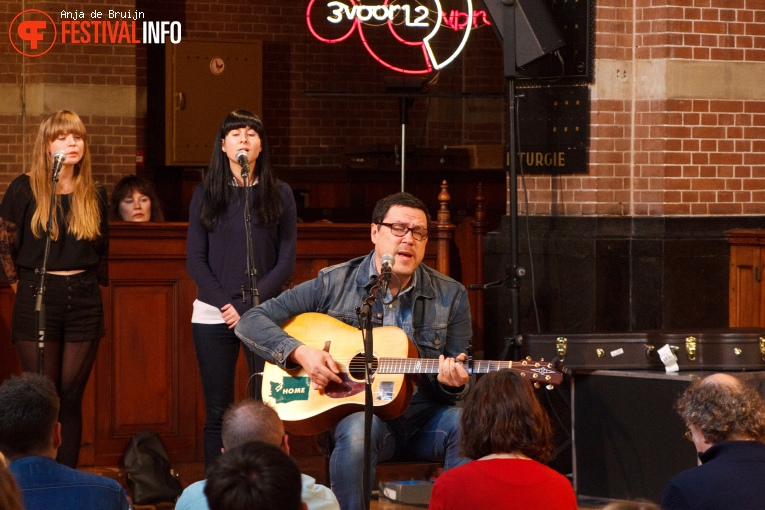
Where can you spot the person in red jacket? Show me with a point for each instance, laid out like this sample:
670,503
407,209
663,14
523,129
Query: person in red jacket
508,436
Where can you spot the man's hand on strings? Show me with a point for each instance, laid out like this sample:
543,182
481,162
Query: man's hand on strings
318,364
451,372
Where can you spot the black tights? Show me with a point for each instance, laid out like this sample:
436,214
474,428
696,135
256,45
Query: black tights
68,365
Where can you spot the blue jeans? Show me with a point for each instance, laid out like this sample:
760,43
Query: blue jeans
431,434
217,349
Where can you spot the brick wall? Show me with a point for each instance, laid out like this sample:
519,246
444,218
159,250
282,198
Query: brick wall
676,113
676,124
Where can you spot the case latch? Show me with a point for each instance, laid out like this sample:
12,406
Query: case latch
561,342
690,347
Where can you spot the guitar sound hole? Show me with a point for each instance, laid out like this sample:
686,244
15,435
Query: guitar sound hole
356,367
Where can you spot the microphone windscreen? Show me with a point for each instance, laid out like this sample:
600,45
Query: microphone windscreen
387,259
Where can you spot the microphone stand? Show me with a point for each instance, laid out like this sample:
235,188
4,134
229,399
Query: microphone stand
252,274
365,324
39,297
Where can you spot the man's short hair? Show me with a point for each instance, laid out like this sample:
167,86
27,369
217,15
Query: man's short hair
398,199
721,411
29,408
254,475
251,420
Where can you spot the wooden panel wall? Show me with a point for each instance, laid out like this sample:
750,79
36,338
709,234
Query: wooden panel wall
146,375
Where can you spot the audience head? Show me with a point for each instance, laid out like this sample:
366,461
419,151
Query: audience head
720,407
503,415
252,420
10,494
254,475
29,416
631,505
134,199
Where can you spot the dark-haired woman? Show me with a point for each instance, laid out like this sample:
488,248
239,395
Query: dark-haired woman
508,435
216,256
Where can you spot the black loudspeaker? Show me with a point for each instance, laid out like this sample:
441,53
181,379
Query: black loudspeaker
535,32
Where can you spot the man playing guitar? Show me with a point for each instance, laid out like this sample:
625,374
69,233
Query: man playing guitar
433,311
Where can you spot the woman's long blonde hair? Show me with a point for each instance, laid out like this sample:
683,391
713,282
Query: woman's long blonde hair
84,219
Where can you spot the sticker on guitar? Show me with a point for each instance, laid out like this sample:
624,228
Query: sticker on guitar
290,389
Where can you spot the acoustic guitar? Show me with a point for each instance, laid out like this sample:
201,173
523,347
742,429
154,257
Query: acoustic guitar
306,411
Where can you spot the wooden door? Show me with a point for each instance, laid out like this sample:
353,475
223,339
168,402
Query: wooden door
204,82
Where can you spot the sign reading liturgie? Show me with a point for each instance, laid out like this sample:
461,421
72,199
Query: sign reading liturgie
424,28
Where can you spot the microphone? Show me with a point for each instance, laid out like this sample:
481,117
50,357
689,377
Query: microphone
58,159
241,158
386,261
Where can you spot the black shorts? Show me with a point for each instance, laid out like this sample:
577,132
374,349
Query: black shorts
74,311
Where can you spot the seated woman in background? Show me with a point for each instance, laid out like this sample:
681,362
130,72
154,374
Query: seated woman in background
134,199
508,435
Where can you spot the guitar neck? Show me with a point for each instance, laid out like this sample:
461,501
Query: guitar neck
430,366
538,371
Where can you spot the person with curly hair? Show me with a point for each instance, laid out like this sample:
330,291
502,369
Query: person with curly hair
725,420
508,436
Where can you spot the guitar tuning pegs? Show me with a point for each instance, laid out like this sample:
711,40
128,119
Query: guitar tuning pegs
550,386
541,359
536,385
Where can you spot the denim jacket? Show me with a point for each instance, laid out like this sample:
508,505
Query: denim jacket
440,318
46,484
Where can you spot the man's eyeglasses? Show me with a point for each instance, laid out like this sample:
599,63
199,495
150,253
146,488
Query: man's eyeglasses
687,434
400,230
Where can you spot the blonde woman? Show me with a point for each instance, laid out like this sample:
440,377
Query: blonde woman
76,265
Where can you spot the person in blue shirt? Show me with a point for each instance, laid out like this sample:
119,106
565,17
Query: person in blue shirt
30,435
431,308
250,421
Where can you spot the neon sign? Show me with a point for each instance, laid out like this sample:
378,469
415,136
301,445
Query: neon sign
419,26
